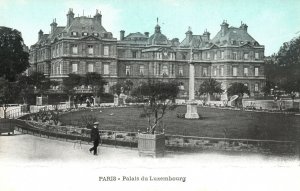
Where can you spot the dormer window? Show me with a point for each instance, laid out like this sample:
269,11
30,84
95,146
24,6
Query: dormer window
242,42
85,34
74,33
96,34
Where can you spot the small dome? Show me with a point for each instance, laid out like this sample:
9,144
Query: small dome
158,38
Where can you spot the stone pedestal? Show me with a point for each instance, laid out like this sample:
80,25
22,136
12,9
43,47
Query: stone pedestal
191,107
191,112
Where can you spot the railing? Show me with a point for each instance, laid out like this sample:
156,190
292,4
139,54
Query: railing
172,142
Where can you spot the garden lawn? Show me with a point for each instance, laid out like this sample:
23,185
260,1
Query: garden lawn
214,123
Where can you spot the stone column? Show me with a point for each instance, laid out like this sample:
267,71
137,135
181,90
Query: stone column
191,112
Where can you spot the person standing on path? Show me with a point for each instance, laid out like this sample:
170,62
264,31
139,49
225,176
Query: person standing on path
95,137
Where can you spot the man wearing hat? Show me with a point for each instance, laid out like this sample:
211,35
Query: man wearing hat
95,137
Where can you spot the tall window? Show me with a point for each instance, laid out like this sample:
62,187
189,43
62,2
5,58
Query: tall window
172,56
222,71
215,71
204,72
222,55
106,69
234,56
134,53
74,68
234,71
245,71
172,69
256,87
60,68
90,49
180,70
142,68
215,56
256,71
90,67
106,50
57,69
207,55
74,49
256,55
246,56
165,70
127,70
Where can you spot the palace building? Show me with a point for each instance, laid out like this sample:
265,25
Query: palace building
84,45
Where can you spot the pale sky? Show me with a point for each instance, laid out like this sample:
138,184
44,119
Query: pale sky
270,22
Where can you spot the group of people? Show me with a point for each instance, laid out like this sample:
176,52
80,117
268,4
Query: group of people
81,99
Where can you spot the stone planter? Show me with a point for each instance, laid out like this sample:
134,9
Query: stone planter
151,144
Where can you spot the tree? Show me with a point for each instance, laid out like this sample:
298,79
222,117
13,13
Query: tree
26,88
40,83
96,82
13,58
69,84
9,92
238,89
117,88
284,67
161,97
209,87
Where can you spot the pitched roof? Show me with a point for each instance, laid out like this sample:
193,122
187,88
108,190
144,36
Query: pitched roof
136,35
84,24
233,36
195,41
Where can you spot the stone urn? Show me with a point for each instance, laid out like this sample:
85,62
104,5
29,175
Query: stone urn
151,144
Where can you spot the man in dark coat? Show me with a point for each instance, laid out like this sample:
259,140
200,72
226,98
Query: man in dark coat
95,137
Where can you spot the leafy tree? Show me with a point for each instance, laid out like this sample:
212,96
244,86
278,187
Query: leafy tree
13,58
69,84
161,96
96,81
283,68
26,88
9,92
128,86
238,89
40,83
117,88
209,87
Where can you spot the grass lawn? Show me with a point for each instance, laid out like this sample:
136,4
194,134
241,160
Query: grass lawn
215,122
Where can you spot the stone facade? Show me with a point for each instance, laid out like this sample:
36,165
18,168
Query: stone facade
83,45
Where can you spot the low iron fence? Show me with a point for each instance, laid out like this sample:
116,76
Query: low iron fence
173,142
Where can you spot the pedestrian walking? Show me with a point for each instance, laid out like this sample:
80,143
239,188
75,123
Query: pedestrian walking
95,137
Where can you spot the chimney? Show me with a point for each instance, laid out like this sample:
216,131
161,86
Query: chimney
40,34
206,34
53,26
98,17
243,26
224,28
189,34
70,17
122,34
146,34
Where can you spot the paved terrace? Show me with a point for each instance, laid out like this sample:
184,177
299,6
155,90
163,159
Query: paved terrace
33,163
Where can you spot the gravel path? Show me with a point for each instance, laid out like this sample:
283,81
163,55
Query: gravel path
33,163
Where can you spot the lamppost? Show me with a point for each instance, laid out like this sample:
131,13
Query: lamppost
191,106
